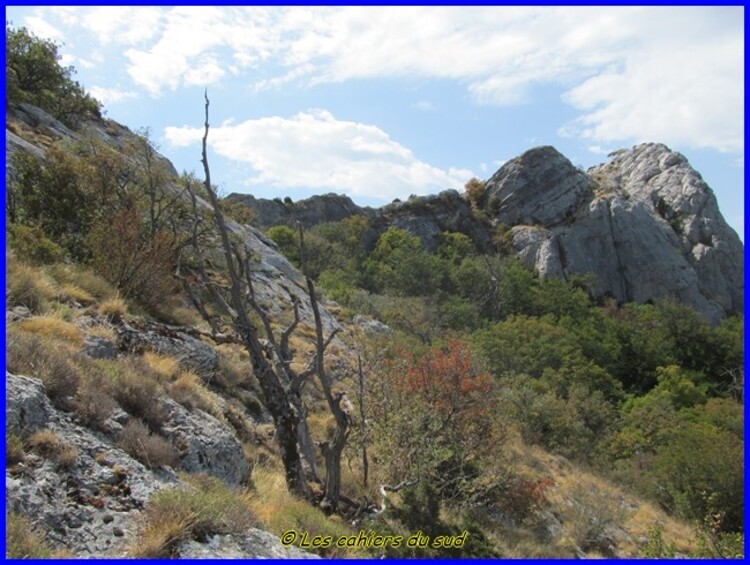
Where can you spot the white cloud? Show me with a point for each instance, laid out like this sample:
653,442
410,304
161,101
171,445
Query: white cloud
127,25
672,74
109,96
670,90
599,150
425,106
43,29
313,149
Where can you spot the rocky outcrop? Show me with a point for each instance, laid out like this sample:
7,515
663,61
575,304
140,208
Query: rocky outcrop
541,187
206,445
88,505
428,217
673,191
169,340
309,212
91,504
27,408
645,226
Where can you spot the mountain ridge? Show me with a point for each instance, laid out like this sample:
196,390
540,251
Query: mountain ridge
644,224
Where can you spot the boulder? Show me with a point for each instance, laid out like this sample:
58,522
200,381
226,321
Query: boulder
206,445
99,348
169,340
27,407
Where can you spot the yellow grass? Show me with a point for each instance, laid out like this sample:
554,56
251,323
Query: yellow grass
28,286
278,512
166,367
113,308
52,326
71,292
189,391
600,496
103,331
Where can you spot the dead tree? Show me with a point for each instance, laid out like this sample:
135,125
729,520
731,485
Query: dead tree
271,358
241,300
333,448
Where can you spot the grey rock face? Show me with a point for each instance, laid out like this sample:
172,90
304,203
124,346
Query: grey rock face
27,407
81,506
309,212
371,325
99,348
428,217
541,187
645,225
672,190
206,445
168,340
276,280
253,544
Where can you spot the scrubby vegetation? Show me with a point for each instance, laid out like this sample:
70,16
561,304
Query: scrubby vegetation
646,395
523,411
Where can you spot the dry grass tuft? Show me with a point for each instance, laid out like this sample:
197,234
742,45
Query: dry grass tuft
31,356
114,309
73,293
189,391
14,452
166,367
22,541
27,286
136,387
48,444
82,278
207,508
104,331
52,326
278,511
150,449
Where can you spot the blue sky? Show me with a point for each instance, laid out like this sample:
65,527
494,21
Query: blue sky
383,102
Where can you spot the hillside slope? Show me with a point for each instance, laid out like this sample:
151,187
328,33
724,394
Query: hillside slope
88,370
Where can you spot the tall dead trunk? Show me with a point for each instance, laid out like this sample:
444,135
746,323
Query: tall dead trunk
284,416
363,420
333,448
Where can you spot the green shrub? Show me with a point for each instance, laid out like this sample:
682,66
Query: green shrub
30,243
33,74
288,241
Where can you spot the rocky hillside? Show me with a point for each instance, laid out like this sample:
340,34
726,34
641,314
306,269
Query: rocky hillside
645,224
174,389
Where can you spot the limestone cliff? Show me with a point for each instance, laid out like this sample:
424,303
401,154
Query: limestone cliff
645,225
